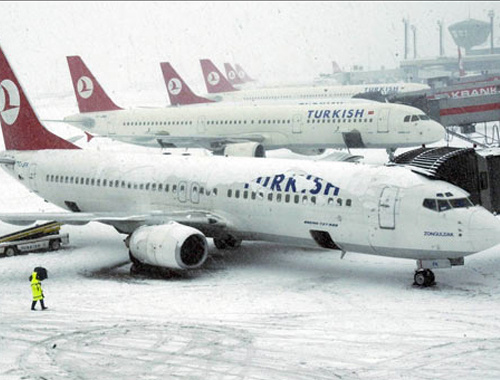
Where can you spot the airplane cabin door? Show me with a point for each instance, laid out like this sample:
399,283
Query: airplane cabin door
32,177
387,208
383,121
182,191
297,124
201,127
195,193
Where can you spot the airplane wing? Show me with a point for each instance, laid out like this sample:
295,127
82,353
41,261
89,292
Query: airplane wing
126,222
207,142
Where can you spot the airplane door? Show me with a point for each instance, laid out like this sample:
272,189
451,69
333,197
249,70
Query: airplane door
32,177
297,124
111,125
195,193
383,121
201,127
182,191
387,208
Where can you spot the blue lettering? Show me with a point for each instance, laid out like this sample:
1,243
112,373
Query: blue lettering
326,114
349,113
318,114
335,114
317,189
276,182
309,113
359,113
290,185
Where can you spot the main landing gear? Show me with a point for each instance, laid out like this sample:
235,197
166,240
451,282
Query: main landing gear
424,278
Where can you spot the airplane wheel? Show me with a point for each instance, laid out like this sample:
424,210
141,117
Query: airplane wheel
424,277
54,245
228,243
10,251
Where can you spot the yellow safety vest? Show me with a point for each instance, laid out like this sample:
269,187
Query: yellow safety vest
36,288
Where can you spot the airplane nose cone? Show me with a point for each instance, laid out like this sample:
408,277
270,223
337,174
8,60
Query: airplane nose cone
437,131
484,230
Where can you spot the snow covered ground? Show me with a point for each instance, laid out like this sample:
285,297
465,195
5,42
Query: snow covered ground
265,311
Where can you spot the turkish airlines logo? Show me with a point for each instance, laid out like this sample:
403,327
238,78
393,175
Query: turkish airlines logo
231,75
10,101
85,87
213,78
174,86
241,74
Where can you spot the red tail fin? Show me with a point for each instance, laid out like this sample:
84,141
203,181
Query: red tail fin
232,75
214,80
243,75
20,126
178,91
90,96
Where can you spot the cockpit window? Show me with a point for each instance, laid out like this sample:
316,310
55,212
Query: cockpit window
461,202
414,118
441,205
407,118
424,117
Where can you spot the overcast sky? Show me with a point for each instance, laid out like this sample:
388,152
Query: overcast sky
123,42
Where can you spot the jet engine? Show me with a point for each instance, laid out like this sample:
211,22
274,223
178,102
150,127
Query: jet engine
171,245
246,149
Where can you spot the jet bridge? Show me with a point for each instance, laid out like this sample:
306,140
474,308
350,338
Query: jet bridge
477,171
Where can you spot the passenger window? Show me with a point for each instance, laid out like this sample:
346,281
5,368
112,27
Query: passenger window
278,197
270,197
348,203
229,193
296,198
236,193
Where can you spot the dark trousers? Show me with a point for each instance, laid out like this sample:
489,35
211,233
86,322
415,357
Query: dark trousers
33,304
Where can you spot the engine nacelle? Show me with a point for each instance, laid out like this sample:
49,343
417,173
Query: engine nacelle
246,149
308,151
171,245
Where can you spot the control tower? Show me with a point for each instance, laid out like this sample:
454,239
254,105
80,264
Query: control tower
469,33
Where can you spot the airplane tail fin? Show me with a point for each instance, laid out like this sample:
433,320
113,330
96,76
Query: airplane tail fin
21,127
214,80
243,75
90,96
336,68
232,75
178,91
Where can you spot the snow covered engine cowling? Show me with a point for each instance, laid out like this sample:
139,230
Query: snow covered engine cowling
246,149
171,245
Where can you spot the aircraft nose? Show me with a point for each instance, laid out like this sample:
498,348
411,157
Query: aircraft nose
436,130
484,229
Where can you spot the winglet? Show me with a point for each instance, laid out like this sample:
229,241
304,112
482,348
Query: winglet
214,80
232,75
21,127
179,92
90,96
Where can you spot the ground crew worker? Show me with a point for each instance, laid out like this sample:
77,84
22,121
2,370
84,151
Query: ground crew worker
36,289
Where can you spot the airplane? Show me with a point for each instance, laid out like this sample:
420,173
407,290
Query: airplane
220,89
169,205
250,130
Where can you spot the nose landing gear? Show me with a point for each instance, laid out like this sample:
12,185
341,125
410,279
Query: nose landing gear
424,278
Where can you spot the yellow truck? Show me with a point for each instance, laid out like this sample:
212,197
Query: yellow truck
46,236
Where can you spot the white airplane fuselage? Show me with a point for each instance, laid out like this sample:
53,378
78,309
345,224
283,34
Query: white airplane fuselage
314,92
360,208
368,124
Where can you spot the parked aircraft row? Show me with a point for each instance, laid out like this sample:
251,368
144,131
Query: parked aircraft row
248,130
168,205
